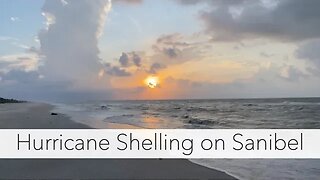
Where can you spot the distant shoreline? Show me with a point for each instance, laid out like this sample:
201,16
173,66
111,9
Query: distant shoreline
5,101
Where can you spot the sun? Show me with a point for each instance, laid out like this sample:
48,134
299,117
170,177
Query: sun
152,82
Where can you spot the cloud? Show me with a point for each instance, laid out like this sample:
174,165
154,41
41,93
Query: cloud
64,2
266,55
25,62
168,49
174,49
116,71
266,82
155,67
183,82
310,52
69,44
8,38
68,51
188,2
136,59
171,52
14,19
14,42
174,39
291,73
124,60
20,76
129,59
128,1
213,2
286,20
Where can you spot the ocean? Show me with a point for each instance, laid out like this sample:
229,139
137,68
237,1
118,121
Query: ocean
285,113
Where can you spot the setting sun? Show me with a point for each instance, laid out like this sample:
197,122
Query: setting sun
152,82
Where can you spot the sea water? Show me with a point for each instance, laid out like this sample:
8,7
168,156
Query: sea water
232,113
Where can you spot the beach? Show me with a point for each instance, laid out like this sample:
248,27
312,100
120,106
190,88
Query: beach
38,116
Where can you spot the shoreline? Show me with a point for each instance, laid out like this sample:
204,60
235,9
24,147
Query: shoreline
38,116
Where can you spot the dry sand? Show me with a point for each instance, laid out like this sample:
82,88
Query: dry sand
36,115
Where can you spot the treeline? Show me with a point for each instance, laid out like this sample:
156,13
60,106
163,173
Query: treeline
2,101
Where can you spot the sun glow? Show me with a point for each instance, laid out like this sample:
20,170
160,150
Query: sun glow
152,82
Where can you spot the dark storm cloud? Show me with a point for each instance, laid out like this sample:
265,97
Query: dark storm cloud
288,20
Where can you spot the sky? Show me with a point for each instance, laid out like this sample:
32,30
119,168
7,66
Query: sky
79,50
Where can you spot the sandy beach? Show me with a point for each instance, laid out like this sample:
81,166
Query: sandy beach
37,115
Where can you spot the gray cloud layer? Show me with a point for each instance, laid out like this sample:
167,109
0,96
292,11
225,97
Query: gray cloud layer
238,19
